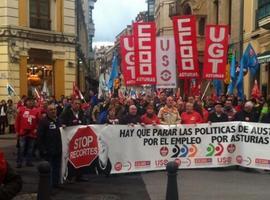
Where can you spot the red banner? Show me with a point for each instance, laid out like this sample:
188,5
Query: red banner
216,49
145,52
186,46
128,60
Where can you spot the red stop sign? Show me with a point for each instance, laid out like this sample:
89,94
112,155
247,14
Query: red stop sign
83,147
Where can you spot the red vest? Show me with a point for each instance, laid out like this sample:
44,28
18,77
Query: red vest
27,122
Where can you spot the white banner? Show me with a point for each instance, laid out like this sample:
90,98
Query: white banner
166,62
138,148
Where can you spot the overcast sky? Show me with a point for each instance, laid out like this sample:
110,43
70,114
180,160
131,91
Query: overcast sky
112,16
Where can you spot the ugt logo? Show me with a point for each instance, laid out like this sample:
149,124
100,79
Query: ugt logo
214,150
184,151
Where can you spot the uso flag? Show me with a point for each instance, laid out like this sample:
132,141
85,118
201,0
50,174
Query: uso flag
128,63
186,46
216,47
145,52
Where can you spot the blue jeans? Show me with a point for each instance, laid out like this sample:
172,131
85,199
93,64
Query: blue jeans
25,149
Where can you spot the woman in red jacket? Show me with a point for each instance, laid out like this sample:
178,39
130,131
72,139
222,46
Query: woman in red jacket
150,117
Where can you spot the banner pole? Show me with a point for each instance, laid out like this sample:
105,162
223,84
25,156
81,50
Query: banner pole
208,85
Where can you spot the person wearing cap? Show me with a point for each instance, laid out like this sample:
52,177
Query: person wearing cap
132,117
218,115
169,114
247,114
150,117
26,127
10,181
190,116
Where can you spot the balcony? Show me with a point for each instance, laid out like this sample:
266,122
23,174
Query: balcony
263,16
175,9
40,22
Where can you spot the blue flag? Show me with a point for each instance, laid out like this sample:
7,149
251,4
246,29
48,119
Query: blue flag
233,76
10,90
240,80
218,86
114,73
250,60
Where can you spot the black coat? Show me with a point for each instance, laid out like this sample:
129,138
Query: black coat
12,185
244,116
214,118
266,118
49,137
69,119
130,119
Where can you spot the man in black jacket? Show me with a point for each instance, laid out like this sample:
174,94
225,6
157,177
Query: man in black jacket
247,114
132,117
50,144
10,182
73,115
218,115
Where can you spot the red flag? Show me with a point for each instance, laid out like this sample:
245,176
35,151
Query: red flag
121,96
145,52
128,62
196,87
256,93
186,46
76,92
216,48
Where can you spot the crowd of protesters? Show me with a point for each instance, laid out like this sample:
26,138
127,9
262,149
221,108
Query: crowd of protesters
37,123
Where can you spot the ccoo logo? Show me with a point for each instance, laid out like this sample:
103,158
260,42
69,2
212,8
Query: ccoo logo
184,151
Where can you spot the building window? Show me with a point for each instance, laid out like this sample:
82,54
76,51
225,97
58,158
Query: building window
40,14
202,22
187,9
263,9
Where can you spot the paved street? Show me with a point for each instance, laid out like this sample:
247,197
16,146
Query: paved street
192,184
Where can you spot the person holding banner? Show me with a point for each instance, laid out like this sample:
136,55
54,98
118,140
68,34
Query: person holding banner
247,114
150,117
217,115
169,114
132,117
73,115
191,116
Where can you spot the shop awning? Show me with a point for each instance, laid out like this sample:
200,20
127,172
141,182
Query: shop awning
264,57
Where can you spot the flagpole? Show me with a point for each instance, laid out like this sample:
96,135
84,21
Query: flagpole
208,85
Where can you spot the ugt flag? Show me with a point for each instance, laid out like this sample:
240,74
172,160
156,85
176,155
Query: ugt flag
216,49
